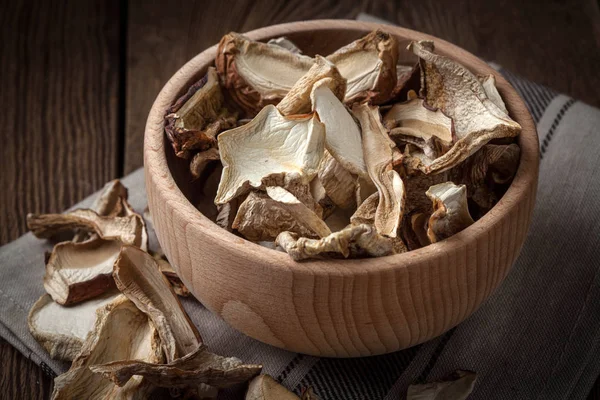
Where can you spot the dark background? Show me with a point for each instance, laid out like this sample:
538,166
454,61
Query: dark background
77,80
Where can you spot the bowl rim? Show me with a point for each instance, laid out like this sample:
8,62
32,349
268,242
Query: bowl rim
155,160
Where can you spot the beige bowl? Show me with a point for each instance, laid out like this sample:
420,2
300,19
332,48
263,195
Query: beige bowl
339,308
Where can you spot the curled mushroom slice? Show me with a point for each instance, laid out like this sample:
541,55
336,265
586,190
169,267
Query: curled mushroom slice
62,330
201,160
120,332
365,213
355,240
415,123
489,86
194,121
286,44
343,138
264,387
198,367
270,150
79,271
458,93
297,100
257,74
450,211
167,270
138,277
369,66
298,210
377,149
338,184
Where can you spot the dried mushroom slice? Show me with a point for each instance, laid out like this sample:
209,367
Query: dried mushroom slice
79,271
343,138
338,184
260,218
492,165
286,44
355,240
489,86
198,367
194,121
271,150
128,229
415,123
365,213
201,160
416,185
450,211
62,330
167,270
264,387
138,277
120,332
407,82
458,93
369,66
257,74
297,100
377,148
298,210
456,386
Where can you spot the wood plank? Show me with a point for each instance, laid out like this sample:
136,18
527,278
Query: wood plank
59,80
538,43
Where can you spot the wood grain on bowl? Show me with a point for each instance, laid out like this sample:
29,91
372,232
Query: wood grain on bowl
336,308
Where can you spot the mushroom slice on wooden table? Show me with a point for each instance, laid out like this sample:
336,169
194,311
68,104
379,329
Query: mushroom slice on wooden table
198,367
377,149
270,150
79,271
450,211
137,339
257,74
354,240
62,330
193,122
369,66
415,123
297,100
459,94
127,229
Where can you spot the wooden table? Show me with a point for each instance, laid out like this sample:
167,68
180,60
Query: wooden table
77,80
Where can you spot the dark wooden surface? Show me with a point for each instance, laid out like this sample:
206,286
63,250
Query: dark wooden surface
77,80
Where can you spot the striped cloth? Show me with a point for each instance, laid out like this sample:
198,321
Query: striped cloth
537,336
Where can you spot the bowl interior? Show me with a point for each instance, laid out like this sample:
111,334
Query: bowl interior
316,39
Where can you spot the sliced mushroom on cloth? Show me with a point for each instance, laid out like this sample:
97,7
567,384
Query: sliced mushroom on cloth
121,332
62,330
270,150
450,211
128,229
138,277
343,138
355,240
456,386
257,74
198,367
377,149
193,122
261,218
416,123
79,271
369,66
460,95
264,387
297,100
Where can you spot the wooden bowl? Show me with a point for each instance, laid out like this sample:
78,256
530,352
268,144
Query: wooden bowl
338,308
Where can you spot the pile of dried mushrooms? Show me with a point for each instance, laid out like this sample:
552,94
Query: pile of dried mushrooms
348,155
112,311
